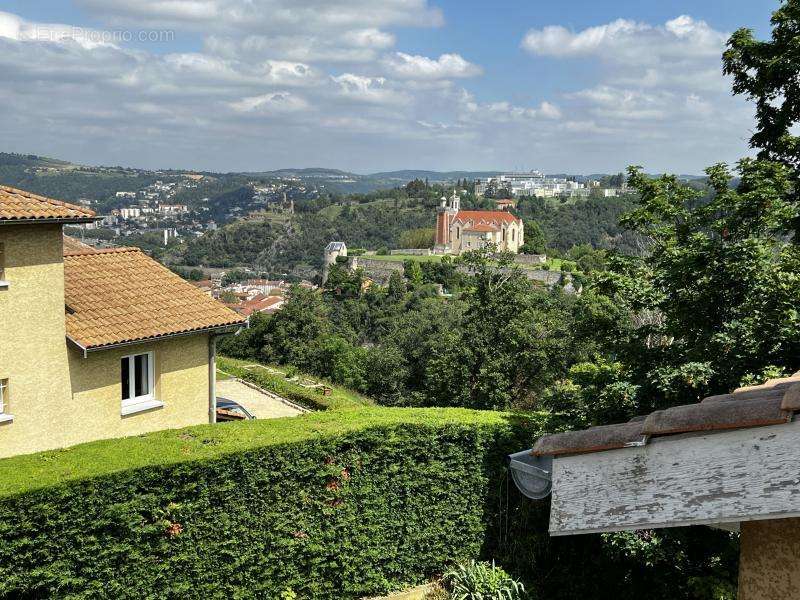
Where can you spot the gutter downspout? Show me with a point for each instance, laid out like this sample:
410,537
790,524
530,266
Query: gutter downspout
212,378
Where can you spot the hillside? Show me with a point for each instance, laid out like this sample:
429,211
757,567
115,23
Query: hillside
281,247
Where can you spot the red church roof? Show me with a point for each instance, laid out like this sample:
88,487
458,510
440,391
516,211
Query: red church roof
486,216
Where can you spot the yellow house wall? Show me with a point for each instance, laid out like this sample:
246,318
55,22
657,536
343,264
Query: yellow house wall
770,555
57,397
181,383
33,347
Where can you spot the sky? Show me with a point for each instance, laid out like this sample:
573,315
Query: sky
575,86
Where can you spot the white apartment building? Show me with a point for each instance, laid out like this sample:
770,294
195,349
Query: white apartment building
533,183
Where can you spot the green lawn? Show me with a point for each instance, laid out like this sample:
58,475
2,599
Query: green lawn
299,389
555,263
404,257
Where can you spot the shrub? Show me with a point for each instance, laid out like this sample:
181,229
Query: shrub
482,581
383,251
328,505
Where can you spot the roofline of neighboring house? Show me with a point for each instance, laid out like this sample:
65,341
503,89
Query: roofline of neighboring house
216,329
62,221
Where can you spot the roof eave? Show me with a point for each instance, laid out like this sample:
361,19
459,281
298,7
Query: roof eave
61,221
215,329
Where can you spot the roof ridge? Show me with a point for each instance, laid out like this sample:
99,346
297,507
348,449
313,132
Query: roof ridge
92,251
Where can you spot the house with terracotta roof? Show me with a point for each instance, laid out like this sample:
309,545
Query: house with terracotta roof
262,304
460,231
95,343
729,461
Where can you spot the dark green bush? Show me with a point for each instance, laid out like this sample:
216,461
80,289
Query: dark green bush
329,505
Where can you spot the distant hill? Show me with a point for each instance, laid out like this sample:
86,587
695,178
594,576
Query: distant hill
433,176
11,159
307,173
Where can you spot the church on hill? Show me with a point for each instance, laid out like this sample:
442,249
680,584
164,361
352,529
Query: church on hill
459,230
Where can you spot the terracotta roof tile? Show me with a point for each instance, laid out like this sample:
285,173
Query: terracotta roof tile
121,295
594,439
710,416
771,403
486,216
19,205
73,245
483,227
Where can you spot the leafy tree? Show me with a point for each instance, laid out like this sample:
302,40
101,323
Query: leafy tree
417,238
288,336
413,273
768,73
344,282
397,287
535,240
714,301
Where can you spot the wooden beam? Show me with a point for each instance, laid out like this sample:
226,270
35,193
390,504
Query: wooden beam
674,481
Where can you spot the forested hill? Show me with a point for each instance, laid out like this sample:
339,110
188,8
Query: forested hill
282,244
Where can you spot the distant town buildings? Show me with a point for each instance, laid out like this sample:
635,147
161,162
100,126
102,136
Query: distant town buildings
537,184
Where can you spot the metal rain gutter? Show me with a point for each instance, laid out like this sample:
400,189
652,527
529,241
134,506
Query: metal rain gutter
531,474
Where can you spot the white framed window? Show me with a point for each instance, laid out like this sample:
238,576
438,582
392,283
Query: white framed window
137,373
4,400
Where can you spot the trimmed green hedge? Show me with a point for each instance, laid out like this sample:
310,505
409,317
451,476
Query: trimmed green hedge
329,505
308,397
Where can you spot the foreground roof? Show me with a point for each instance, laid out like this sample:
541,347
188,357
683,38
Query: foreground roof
74,245
121,295
23,207
771,403
486,216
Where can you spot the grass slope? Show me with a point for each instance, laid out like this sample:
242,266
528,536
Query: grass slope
276,379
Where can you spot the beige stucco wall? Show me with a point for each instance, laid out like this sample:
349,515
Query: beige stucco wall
769,566
459,238
57,397
181,383
33,345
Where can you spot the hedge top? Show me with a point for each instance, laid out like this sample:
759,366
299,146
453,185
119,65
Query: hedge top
30,472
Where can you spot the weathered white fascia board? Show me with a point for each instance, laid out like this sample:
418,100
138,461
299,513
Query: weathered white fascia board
723,477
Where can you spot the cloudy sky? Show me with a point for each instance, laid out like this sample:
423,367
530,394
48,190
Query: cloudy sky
575,86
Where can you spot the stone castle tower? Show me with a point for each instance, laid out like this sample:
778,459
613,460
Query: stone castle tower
332,251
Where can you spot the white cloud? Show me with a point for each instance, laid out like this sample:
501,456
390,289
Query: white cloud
447,66
16,28
628,42
369,38
555,40
275,102
652,82
376,90
263,16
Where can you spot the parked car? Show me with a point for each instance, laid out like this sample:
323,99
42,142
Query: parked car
228,410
